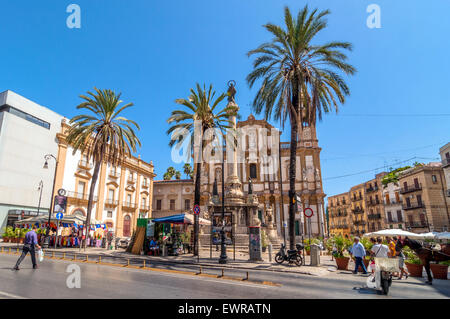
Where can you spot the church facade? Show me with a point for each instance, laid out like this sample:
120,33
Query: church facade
263,162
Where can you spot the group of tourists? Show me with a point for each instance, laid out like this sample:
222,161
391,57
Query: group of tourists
393,249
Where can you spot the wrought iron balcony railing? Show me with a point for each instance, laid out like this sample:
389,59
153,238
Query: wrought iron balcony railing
411,188
413,206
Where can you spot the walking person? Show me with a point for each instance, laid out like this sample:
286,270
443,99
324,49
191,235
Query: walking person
401,258
29,247
359,252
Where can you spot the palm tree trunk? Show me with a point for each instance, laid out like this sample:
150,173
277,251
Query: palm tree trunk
196,202
292,170
91,199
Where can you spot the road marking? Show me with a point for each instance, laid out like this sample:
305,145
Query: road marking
2,293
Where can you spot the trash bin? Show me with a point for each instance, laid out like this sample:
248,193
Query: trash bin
315,255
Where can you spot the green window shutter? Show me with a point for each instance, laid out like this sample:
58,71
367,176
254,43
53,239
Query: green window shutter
260,215
297,228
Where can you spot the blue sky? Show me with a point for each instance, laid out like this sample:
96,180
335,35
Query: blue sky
155,51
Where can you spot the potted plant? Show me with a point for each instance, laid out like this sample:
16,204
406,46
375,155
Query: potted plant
440,270
264,240
339,254
413,263
367,246
8,234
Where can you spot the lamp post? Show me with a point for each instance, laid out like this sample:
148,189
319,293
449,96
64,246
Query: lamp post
40,187
223,249
47,158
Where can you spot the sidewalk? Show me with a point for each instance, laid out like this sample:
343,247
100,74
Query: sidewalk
241,259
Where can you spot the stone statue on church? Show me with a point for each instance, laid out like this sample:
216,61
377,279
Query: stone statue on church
231,91
317,175
250,186
304,174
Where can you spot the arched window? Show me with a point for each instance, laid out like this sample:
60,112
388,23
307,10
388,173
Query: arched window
127,226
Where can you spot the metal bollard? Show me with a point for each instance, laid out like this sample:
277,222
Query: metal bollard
74,256
17,250
246,278
53,254
128,262
64,256
144,263
9,250
270,252
222,273
99,259
87,258
200,272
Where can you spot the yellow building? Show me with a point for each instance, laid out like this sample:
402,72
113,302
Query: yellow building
339,214
122,194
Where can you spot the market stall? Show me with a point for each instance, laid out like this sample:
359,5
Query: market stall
68,231
174,233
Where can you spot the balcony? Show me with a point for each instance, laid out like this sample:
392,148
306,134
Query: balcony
373,202
85,164
359,222
80,196
413,206
356,198
417,225
392,203
357,210
393,221
114,174
411,188
446,162
145,184
374,216
111,202
128,205
131,179
371,189
145,207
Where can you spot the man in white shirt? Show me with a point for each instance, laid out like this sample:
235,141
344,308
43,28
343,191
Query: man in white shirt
380,250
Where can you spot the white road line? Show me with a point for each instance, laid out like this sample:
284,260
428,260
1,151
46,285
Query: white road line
2,293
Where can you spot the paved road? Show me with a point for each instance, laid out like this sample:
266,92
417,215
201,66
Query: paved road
99,281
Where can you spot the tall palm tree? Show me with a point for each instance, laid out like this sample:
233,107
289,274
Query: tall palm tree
187,169
201,107
300,80
103,135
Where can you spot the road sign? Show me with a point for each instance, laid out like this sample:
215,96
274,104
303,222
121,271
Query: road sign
196,209
284,224
308,212
59,216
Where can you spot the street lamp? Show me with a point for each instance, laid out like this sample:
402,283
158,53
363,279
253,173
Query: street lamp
40,187
47,158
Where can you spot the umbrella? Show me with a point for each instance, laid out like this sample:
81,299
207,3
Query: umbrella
444,235
395,232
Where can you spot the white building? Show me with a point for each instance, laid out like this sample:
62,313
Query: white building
394,214
27,134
